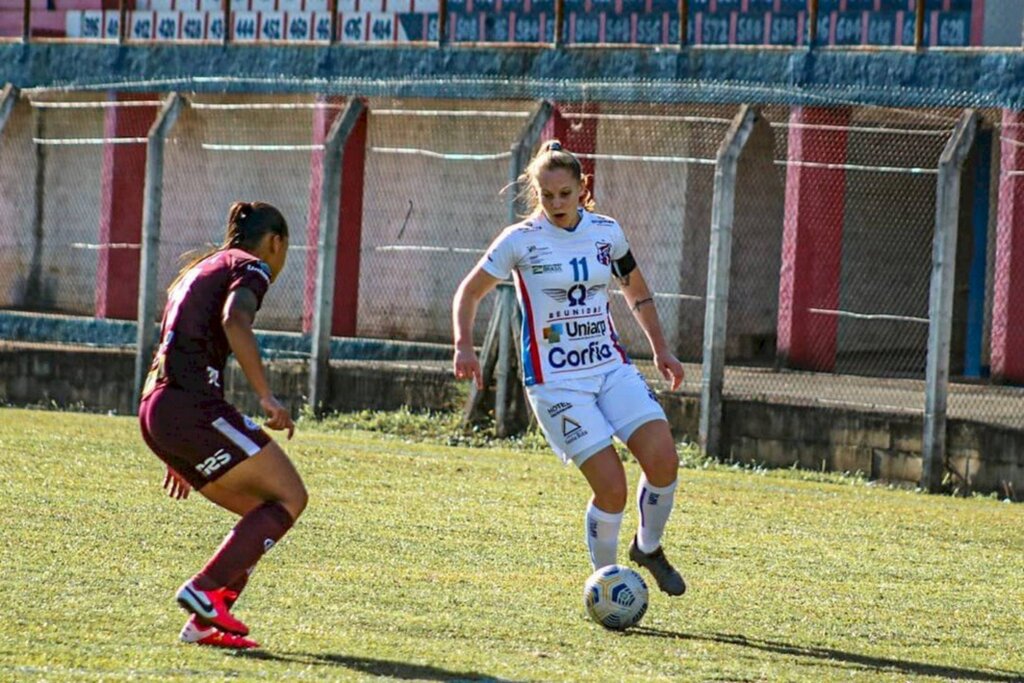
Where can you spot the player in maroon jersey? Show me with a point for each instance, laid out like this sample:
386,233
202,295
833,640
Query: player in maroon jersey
205,442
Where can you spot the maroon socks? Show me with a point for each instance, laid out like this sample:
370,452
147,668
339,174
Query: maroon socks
255,534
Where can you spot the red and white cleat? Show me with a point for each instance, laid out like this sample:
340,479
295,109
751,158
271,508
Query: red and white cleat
198,634
210,608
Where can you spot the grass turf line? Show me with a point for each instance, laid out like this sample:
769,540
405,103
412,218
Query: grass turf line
423,561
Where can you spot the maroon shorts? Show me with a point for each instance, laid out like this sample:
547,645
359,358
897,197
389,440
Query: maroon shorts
199,437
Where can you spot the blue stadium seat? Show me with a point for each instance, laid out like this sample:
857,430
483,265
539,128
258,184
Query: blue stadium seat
750,29
714,29
587,28
649,29
784,28
527,29
954,29
617,28
881,29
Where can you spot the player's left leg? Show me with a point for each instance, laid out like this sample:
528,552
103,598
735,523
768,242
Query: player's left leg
654,449
639,421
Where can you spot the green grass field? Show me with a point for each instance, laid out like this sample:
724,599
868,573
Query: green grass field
419,560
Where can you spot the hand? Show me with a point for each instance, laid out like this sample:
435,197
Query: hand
467,366
670,368
176,485
278,416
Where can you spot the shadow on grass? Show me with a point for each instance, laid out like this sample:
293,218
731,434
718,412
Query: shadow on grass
376,667
866,661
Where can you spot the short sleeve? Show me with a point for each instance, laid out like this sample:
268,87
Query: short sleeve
500,258
253,275
620,245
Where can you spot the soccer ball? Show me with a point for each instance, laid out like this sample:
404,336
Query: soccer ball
615,597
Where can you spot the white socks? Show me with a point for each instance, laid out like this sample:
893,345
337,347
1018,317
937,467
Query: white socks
655,506
602,531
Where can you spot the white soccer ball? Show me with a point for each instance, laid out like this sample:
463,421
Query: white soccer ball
615,597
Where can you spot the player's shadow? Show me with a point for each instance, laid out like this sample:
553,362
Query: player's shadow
879,664
376,667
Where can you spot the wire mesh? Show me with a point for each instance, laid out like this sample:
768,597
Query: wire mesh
432,204
852,186
219,153
60,189
20,246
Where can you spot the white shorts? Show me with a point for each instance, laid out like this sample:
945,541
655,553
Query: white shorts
580,416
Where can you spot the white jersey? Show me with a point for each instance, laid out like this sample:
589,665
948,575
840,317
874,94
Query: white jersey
562,280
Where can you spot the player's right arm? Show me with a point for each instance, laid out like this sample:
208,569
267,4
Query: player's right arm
471,290
237,317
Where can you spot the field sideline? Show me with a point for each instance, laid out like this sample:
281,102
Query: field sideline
418,560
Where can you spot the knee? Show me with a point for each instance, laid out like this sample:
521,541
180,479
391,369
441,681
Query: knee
296,500
612,497
664,468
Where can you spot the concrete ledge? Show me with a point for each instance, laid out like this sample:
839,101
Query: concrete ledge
981,457
101,379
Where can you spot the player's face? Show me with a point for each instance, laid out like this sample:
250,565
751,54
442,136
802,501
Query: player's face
559,196
276,252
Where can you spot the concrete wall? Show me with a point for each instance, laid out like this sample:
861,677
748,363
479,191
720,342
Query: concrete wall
101,379
881,446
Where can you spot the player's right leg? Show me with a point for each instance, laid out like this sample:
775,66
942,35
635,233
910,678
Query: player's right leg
269,486
607,478
577,431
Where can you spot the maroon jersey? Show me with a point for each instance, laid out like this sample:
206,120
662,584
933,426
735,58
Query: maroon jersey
193,347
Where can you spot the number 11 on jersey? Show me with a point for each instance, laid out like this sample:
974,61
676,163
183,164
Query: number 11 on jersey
579,269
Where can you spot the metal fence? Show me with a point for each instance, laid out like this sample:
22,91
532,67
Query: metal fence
831,216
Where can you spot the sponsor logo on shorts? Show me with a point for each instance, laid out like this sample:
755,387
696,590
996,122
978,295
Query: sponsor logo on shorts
594,353
212,376
572,430
250,424
558,409
268,543
214,462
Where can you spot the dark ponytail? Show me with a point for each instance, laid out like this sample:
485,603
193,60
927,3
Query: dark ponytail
248,224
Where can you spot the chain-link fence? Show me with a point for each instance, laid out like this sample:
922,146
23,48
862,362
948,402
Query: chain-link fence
220,151
835,216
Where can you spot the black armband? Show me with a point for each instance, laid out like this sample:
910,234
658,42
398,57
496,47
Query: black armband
624,266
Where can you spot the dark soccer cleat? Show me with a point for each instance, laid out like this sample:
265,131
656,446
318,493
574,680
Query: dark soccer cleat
668,579
209,608
196,633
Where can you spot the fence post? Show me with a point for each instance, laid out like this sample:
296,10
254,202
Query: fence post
558,39
8,98
26,21
684,24
327,250
504,310
723,206
812,24
940,298
152,201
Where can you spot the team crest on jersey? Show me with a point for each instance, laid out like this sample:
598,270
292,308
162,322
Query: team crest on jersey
604,253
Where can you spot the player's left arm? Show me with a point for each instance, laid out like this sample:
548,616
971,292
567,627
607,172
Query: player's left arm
641,301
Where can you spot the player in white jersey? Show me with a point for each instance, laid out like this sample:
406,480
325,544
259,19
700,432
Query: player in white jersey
578,378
